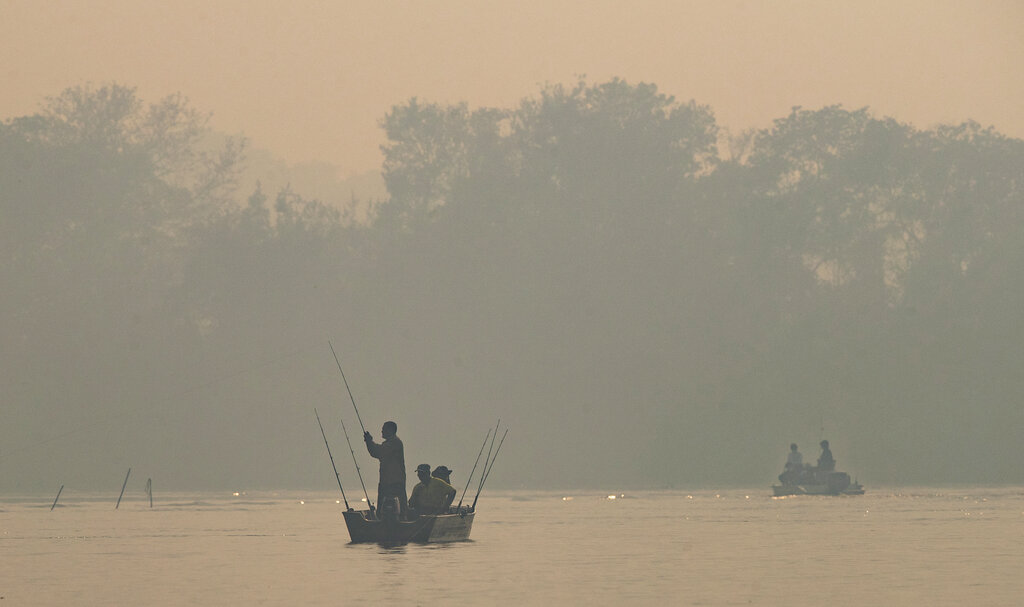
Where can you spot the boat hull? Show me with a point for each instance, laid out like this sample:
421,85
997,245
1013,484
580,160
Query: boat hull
428,529
785,490
812,482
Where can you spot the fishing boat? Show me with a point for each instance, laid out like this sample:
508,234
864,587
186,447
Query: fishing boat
453,526
383,525
817,483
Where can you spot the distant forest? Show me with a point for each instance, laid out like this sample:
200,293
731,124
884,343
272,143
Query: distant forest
644,297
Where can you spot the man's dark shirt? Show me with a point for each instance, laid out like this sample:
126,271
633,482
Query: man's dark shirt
391,454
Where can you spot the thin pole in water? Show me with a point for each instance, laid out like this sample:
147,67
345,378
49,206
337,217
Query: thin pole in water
56,498
471,472
149,491
336,475
118,504
488,472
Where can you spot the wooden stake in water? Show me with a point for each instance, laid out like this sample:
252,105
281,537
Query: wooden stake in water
56,498
149,491
122,488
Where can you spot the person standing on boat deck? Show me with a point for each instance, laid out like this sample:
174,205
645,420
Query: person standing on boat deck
432,495
391,454
825,461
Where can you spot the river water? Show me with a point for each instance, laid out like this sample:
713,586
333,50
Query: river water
910,546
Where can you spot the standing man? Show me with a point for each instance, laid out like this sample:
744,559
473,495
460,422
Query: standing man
391,454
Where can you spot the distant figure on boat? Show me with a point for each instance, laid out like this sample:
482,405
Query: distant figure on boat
794,461
803,479
432,495
794,466
825,461
391,454
443,473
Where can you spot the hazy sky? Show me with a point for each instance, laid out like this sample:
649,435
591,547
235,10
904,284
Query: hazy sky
309,80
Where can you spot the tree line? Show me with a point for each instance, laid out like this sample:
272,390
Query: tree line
601,261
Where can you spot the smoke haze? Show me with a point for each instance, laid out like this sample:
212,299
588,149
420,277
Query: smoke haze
648,292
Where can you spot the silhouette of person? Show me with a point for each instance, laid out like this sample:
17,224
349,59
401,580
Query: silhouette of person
391,454
794,461
443,473
826,463
432,495
794,466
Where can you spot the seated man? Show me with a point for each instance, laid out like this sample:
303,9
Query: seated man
443,473
794,466
826,463
432,495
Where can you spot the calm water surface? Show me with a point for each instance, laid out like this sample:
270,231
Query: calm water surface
921,546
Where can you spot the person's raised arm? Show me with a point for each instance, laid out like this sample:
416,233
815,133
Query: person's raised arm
371,446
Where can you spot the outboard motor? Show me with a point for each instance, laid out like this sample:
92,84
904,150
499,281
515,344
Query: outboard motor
837,482
388,510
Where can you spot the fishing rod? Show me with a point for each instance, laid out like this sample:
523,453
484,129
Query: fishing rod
346,386
358,472
484,479
488,458
336,475
487,475
471,472
353,399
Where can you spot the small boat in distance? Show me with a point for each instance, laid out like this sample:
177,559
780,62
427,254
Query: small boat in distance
830,483
823,479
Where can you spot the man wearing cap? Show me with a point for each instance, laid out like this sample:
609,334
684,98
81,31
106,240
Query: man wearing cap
391,454
443,473
432,495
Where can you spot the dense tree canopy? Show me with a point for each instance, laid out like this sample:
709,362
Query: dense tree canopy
587,263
